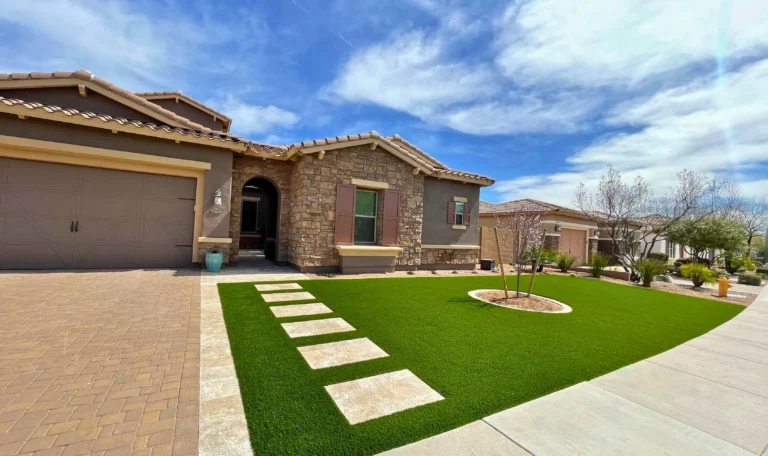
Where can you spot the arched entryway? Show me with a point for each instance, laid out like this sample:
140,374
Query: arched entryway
259,219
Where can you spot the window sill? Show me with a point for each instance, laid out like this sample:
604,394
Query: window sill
459,227
368,250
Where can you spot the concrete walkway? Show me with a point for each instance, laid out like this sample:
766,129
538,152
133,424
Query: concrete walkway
706,396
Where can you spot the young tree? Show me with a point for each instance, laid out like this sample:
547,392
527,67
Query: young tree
630,212
520,233
710,233
752,215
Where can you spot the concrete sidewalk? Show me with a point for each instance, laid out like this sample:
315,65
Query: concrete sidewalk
706,396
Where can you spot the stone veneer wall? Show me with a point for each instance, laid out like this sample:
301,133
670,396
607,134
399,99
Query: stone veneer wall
245,168
552,243
206,247
313,205
449,257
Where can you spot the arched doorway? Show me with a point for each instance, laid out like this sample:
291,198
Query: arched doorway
258,222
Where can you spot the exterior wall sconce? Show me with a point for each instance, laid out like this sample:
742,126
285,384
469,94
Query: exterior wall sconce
217,205
557,228
597,233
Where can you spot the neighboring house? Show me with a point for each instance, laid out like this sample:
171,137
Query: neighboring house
94,176
566,230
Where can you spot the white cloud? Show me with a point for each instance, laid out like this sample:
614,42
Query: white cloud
410,73
710,125
249,118
603,42
130,43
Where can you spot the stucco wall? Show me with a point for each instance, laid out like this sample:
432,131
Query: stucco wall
218,177
313,210
69,97
436,229
190,112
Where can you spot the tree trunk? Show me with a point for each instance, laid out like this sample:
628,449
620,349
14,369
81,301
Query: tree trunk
501,263
535,264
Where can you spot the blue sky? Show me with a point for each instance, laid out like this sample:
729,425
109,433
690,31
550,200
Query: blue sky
540,95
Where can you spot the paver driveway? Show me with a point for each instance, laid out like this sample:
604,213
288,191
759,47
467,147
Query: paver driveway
99,362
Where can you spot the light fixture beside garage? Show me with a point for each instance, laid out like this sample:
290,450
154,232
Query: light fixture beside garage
557,228
217,205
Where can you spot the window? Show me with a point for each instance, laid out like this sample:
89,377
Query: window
365,217
459,213
671,247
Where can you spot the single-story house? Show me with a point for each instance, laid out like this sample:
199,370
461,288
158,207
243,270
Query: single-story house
566,230
95,176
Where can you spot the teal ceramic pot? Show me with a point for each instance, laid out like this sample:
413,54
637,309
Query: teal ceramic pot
213,261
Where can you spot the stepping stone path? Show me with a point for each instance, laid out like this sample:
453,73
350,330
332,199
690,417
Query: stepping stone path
300,310
358,400
278,286
373,397
343,352
316,327
283,297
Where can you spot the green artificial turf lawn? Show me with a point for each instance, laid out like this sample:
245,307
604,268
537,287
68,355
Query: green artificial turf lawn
481,358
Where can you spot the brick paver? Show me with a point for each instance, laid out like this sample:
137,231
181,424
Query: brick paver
99,362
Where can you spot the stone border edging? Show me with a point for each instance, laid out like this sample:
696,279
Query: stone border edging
566,307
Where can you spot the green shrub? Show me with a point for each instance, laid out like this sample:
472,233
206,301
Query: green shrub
698,273
750,279
648,269
663,257
565,261
548,256
762,270
411,273
748,263
677,264
434,272
741,270
597,264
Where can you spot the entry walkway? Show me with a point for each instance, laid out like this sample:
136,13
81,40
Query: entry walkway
706,396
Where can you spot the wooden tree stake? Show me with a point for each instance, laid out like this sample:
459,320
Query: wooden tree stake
501,262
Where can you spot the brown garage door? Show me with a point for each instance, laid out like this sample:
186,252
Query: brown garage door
575,242
56,216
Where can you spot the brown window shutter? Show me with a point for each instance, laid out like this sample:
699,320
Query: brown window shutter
345,214
451,212
391,218
467,213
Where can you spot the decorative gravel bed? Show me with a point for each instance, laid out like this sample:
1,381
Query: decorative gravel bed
532,303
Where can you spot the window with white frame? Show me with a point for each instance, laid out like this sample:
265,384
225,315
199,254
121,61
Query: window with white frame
671,249
459,213
365,216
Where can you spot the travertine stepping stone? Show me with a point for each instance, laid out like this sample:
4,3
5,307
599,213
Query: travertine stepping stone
281,297
316,327
343,352
298,310
278,286
373,397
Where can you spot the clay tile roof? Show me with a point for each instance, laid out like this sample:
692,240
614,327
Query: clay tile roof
527,205
187,98
88,76
105,118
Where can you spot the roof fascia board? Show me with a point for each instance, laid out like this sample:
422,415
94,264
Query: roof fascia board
190,102
74,82
360,142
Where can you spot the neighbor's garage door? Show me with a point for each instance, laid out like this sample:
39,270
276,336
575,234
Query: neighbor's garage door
56,216
574,242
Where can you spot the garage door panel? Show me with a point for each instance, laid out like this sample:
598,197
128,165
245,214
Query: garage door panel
52,176
166,257
167,233
110,207
168,210
35,229
108,232
169,187
31,201
106,256
111,182
35,256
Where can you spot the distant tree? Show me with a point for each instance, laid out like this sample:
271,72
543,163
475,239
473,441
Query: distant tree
710,233
630,212
752,215
520,234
